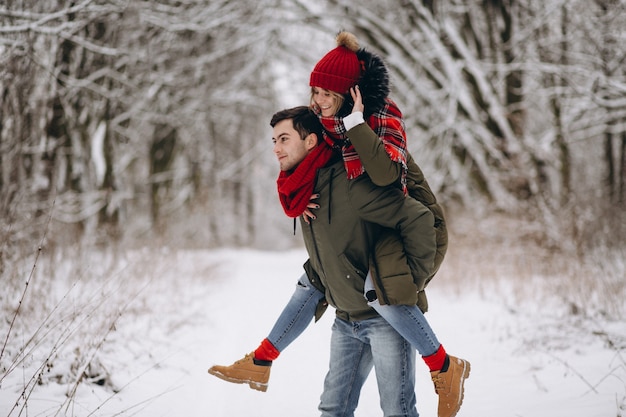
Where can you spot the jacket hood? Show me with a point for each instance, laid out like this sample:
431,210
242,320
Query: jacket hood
374,84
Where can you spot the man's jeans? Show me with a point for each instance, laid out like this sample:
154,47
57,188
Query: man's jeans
409,321
355,348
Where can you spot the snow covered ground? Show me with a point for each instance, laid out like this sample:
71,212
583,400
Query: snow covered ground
199,308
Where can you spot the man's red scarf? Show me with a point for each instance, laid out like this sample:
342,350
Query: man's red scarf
296,187
388,125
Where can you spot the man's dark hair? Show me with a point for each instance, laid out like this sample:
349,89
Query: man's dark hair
304,120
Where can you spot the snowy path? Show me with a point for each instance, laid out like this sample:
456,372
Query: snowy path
216,316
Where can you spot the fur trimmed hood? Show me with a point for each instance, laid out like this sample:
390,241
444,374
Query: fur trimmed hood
374,84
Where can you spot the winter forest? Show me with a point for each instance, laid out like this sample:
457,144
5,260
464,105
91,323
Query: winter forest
133,124
142,119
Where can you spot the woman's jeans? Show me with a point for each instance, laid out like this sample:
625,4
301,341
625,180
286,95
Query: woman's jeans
356,347
296,315
409,321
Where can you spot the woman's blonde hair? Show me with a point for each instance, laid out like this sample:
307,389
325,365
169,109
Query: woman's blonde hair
338,99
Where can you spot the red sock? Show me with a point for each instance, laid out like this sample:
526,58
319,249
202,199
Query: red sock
436,360
266,351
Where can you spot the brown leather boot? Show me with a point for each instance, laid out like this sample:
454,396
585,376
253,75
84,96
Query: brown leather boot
449,386
245,371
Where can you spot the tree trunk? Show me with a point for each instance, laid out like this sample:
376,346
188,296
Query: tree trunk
561,141
622,170
609,161
161,157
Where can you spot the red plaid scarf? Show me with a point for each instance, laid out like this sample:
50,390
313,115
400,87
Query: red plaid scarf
388,125
296,187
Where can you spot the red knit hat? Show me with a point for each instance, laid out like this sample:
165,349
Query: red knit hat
340,68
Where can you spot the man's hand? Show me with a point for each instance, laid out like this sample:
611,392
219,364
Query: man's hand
355,92
308,215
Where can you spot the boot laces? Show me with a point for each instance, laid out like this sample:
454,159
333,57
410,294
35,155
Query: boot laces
440,383
245,358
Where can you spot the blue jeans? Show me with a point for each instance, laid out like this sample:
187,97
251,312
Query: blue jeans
355,348
297,314
409,321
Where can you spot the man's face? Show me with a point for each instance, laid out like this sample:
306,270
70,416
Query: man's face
289,148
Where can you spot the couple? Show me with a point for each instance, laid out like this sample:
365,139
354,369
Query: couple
371,248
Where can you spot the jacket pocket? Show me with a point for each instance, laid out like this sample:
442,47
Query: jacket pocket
353,271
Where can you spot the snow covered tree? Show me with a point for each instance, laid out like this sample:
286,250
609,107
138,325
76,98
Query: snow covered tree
108,108
151,117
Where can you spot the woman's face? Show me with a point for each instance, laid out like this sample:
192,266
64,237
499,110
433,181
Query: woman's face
326,100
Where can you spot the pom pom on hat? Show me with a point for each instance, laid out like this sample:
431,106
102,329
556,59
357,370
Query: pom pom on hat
348,40
340,68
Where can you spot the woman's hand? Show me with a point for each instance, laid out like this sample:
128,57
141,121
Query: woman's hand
308,215
355,92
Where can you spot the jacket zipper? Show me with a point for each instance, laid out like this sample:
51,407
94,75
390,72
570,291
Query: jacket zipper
319,262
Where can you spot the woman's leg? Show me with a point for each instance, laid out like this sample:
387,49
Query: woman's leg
297,314
254,368
447,372
409,321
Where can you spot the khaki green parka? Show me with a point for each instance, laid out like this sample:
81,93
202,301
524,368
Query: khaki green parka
391,269
341,240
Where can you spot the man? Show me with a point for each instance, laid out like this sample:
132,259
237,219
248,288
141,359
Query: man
340,243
